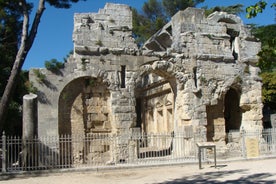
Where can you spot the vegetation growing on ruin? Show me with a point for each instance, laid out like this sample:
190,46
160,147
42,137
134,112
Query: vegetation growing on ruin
40,77
53,65
99,43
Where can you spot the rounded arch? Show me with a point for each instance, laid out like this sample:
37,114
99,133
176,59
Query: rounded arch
155,97
96,73
66,99
164,69
224,17
227,20
84,107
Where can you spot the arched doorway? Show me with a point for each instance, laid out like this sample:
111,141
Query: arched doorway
232,111
84,114
84,107
155,105
155,115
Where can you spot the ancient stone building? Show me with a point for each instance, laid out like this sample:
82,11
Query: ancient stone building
197,74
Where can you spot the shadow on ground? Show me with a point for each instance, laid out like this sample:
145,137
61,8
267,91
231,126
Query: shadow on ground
5,177
217,177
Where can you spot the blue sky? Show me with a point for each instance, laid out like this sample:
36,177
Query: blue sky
54,37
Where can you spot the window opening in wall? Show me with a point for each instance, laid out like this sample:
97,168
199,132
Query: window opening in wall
232,42
233,34
123,76
195,76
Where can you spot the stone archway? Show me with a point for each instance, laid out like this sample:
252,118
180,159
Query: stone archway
155,104
84,107
84,110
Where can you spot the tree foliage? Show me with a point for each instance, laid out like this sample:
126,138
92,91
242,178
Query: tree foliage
54,66
10,31
21,9
269,89
173,6
267,63
259,7
155,15
234,9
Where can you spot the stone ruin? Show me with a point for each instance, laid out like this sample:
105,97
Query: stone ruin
197,74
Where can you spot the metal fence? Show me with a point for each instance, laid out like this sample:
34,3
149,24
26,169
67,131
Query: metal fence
112,150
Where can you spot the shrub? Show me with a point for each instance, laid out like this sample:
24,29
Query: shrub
53,65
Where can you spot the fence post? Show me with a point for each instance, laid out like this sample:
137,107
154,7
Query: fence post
4,150
243,143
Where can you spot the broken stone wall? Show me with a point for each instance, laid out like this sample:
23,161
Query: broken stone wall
190,66
210,56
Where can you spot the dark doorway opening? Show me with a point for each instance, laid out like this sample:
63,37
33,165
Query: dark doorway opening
232,111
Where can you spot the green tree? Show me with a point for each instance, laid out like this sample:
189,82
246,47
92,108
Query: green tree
153,10
267,63
54,65
234,9
267,36
269,89
155,15
147,23
173,6
10,30
259,7
28,34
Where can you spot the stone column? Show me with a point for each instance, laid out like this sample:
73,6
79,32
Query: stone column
29,116
29,130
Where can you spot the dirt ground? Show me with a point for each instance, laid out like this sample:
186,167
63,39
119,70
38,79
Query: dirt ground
240,172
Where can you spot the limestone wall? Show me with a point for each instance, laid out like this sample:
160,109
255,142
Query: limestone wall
197,74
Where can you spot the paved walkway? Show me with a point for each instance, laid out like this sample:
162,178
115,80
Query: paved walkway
242,172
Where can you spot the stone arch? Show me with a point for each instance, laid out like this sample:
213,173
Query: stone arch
85,111
155,99
227,20
224,17
84,107
71,86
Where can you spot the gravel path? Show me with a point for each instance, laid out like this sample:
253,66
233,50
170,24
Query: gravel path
242,172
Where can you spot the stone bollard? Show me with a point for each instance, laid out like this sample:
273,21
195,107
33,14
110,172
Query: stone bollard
29,129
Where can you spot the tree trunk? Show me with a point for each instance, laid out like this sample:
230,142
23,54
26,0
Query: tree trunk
26,44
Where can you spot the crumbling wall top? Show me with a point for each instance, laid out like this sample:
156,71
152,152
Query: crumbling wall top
109,29
224,17
220,36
